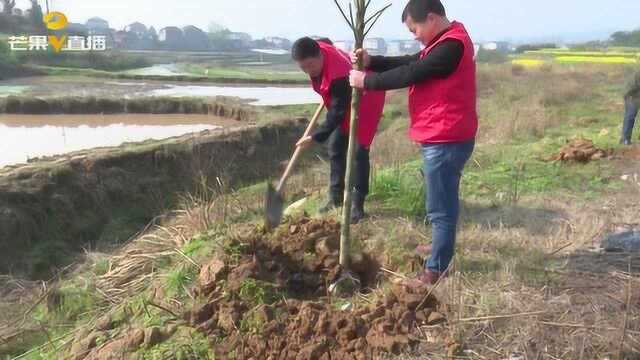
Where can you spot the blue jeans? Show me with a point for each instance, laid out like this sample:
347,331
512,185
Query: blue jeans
443,164
630,113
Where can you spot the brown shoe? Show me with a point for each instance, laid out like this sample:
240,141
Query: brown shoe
425,278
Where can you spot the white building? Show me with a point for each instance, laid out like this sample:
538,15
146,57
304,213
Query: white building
344,45
403,47
500,46
376,46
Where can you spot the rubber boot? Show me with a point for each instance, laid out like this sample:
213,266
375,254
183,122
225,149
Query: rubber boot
334,202
357,208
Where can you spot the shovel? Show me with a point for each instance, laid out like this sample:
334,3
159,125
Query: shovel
273,199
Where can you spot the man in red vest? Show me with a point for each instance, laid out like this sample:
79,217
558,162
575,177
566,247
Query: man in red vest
328,68
442,105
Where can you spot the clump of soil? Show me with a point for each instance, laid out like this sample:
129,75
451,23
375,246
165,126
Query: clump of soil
632,152
244,318
580,150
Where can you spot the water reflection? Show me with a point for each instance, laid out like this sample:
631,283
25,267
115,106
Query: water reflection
23,136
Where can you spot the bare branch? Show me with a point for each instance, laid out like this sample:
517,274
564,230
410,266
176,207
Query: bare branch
351,25
376,14
163,308
351,13
366,6
374,21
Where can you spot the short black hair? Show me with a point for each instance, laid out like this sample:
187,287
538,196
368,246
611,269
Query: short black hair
420,9
305,48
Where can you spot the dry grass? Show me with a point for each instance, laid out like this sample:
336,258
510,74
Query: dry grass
132,268
523,104
515,260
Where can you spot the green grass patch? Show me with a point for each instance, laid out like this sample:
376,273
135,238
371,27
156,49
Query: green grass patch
247,73
68,304
202,246
101,266
525,263
258,292
196,246
503,174
179,279
187,344
513,171
393,112
400,188
110,61
24,344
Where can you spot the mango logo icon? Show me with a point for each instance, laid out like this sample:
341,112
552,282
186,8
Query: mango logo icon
55,20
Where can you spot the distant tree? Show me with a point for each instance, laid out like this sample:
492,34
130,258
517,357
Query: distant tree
152,36
6,55
220,40
8,5
152,32
36,15
626,38
215,28
8,60
594,45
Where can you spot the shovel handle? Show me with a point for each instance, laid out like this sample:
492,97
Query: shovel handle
298,152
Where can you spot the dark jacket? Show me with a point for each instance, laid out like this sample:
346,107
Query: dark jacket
633,87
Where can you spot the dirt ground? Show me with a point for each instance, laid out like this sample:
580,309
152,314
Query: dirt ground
301,260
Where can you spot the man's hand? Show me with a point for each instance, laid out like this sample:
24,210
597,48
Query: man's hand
361,53
305,142
356,79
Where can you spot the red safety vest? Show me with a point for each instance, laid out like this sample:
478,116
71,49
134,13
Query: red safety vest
337,64
444,110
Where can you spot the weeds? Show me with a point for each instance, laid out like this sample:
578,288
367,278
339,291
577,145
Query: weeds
179,279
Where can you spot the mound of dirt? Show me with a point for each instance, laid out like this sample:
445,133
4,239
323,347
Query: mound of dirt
299,261
301,258
580,150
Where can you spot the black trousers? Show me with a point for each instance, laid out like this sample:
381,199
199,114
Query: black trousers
338,146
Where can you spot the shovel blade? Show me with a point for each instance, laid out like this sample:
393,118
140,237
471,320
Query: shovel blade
273,207
346,284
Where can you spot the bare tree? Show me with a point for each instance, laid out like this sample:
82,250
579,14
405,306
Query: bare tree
360,25
8,5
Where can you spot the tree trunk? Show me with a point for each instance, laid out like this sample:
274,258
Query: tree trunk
345,231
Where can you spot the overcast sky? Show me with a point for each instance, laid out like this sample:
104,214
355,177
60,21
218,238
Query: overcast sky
516,20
